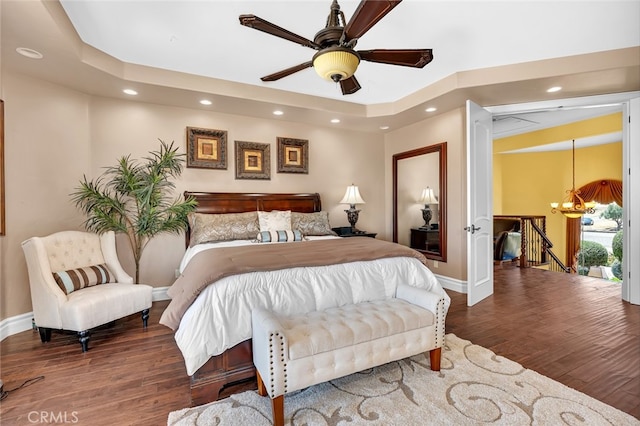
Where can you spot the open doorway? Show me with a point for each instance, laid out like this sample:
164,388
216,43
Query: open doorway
628,104
600,253
534,169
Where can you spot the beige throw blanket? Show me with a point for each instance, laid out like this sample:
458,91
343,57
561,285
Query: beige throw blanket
209,266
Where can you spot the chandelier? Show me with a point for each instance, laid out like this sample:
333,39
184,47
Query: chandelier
573,205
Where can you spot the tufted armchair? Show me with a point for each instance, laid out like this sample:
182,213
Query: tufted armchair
77,283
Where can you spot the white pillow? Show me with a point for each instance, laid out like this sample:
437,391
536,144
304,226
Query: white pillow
276,220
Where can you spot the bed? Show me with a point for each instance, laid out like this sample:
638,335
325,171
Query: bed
220,282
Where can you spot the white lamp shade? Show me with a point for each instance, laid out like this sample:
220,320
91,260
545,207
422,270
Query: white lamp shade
352,196
428,197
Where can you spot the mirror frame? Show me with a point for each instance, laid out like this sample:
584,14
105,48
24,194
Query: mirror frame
441,150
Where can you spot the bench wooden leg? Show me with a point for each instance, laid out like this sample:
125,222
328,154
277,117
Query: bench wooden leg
277,409
262,391
434,356
277,403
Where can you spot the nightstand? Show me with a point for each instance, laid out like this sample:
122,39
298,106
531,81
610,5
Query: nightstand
345,231
425,239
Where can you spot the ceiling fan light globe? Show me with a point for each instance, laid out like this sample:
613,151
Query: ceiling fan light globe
335,64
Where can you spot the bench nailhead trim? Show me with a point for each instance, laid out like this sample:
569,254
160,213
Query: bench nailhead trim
272,355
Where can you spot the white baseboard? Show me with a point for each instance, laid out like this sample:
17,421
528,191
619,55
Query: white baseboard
22,322
452,284
15,325
160,293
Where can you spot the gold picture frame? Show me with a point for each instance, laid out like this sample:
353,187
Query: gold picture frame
253,160
206,148
293,155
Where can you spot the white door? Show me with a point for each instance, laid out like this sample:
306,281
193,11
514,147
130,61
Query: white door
479,203
631,200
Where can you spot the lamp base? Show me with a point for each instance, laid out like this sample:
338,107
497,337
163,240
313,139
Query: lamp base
352,217
426,216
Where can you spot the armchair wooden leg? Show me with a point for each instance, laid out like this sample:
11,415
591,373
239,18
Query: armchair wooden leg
83,336
435,355
277,409
145,318
45,334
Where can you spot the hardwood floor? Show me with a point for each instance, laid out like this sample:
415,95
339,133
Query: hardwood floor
573,329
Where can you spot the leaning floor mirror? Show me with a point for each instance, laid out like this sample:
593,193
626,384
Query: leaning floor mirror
420,200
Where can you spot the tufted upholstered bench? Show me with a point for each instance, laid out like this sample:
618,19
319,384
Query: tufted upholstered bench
294,352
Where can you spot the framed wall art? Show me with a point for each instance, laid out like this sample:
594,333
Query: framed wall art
206,148
253,160
293,155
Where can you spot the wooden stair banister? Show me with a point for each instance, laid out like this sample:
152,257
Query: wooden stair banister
535,245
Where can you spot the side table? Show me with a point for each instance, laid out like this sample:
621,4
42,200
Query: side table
345,231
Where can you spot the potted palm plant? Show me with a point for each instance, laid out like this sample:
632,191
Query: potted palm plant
134,197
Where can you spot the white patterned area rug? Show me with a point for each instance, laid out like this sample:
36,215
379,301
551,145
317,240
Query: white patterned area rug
474,387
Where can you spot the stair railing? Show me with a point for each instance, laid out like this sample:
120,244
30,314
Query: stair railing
535,245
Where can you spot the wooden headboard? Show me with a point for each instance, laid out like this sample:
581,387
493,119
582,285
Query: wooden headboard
238,202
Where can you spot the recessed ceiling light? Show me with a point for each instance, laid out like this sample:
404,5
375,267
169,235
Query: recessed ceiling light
29,53
554,89
130,92
384,127
335,120
431,109
205,102
277,112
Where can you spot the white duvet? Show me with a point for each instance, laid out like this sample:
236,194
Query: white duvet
220,317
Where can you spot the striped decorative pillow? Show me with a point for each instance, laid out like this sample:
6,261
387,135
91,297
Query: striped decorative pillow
279,236
76,279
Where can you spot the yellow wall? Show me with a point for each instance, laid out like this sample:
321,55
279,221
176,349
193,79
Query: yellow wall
525,184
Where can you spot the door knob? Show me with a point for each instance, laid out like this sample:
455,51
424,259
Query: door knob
472,228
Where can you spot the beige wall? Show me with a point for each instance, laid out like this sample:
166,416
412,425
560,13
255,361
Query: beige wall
46,151
55,135
448,127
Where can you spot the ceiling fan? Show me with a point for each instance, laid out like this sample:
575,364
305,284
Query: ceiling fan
336,58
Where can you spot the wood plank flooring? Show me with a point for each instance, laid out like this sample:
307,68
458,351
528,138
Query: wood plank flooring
573,329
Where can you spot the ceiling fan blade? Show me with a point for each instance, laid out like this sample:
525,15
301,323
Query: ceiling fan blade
260,24
278,75
350,85
366,15
416,58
